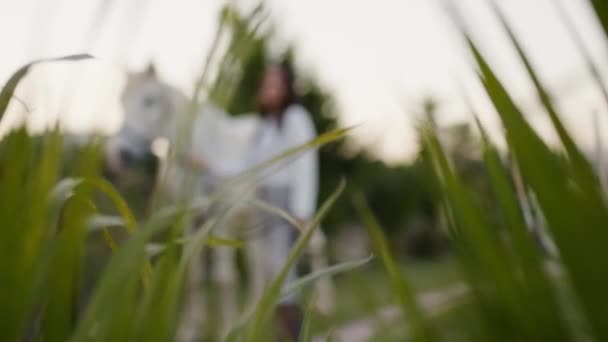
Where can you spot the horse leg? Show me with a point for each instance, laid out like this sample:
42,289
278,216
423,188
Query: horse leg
225,279
324,291
194,311
279,242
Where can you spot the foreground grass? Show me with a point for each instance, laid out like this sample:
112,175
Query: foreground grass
364,292
460,319
361,293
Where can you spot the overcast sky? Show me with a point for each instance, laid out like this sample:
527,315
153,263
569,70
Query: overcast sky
379,58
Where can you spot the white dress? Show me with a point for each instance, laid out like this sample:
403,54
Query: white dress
291,184
299,174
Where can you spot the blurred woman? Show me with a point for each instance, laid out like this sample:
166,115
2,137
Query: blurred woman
291,185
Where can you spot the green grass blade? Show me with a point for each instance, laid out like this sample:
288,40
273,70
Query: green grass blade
61,287
241,182
13,167
158,311
601,11
536,283
9,87
265,207
575,217
25,190
491,269
329,271
319,141
98,222
305,334
216,241
266,304
274,210
130,223
582,49
582,169
103,320
127,220
121,205
400,286
211,241
160,307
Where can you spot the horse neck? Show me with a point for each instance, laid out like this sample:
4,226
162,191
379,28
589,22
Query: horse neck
181,121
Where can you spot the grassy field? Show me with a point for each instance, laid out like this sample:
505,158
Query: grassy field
46,228
364,291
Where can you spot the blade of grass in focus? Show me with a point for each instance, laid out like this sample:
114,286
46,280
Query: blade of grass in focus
483,256
563,204
535,280
573,213
329,271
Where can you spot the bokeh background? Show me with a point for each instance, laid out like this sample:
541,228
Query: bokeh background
376,65
385,66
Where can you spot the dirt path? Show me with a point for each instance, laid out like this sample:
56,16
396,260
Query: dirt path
433,302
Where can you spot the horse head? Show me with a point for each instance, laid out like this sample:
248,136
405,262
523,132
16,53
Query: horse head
150,106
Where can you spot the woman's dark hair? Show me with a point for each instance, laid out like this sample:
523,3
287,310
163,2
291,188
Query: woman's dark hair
291,96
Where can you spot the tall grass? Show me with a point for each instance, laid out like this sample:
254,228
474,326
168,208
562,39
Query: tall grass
45,220
519,300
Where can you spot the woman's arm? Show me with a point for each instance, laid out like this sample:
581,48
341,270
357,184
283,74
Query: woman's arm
304,169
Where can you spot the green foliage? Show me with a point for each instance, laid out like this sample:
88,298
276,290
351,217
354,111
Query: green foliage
396,193
421,330
45,222
47,215
44,246
512,289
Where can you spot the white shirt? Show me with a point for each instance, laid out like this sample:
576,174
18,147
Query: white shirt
298,173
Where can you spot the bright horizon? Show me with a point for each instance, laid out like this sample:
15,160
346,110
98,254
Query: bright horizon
378,59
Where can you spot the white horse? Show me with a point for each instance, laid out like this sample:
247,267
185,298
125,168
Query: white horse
154,109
